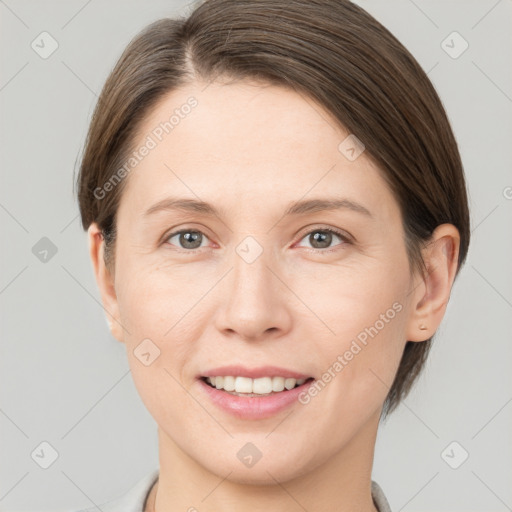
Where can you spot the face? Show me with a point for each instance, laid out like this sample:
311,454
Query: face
262,277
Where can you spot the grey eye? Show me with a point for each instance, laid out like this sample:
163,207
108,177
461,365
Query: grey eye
323,238
188,239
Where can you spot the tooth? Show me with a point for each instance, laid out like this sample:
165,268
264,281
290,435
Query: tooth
289,383
229,383
262,385
243,385
278,384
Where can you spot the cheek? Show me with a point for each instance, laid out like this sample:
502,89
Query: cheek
160,345
352,297
157,310
361,338
156,301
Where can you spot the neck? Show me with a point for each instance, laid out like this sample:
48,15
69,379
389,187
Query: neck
341,483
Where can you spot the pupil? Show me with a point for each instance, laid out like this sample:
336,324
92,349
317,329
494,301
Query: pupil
189,239
324,238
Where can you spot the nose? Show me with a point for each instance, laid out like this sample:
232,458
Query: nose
255,300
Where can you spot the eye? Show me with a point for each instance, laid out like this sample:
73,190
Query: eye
321,238
189,239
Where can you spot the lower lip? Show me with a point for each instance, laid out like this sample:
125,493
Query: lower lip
254,408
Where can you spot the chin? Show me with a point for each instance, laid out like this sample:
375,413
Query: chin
272,467
262,475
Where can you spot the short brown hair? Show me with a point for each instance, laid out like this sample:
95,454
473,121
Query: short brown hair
332,51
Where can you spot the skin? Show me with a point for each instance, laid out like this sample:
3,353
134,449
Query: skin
250,150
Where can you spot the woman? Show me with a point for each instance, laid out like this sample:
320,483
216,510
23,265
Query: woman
276,212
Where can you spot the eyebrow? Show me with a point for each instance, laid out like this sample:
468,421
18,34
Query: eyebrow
301,207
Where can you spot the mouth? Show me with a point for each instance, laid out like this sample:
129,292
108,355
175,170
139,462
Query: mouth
253,393
254,388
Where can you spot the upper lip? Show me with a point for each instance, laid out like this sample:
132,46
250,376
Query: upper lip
253,373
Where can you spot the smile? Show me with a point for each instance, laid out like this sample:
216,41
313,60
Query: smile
253,399
245,386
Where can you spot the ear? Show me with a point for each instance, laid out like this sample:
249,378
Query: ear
432,292
105,281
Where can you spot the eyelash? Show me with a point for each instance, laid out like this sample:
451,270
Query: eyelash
341,235
346,240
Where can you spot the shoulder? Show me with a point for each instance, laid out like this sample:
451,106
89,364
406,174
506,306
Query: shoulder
379,498
132,501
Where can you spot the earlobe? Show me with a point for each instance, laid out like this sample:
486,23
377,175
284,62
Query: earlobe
104,280
430,300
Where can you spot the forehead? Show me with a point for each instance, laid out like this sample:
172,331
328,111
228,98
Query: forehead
226,141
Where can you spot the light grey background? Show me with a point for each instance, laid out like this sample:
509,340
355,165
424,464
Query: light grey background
65,380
